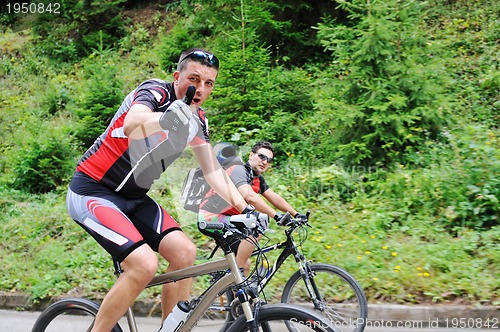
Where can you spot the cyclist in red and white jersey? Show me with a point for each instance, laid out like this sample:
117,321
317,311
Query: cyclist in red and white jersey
108,192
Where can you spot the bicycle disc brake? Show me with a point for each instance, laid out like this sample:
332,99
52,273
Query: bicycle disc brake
236,308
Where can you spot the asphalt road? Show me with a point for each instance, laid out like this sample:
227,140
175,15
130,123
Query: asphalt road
14,321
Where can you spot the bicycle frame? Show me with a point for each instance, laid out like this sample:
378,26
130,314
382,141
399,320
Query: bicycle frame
204,301
289,249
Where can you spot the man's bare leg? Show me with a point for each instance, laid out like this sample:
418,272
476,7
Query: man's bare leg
180,252
139,268
245,250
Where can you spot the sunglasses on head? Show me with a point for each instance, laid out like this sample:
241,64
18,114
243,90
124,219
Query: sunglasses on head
201,56
265,158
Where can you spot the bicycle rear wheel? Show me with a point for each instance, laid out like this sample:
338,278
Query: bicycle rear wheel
339,297
71,315
272,317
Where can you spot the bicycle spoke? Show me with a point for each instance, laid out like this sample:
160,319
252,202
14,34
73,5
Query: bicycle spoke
338,297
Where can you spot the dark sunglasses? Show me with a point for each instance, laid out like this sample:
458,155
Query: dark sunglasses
263,157
202,57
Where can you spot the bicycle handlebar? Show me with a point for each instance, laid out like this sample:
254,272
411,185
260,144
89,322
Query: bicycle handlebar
288,221
248,224
211,225
241,224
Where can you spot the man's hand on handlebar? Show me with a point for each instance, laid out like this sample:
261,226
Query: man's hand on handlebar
262,218
302,218
287,220
282,219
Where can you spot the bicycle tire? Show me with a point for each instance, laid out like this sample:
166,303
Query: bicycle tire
80,311
273,316
344,302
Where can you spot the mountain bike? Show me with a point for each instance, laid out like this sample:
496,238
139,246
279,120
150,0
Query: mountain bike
326,288
257,316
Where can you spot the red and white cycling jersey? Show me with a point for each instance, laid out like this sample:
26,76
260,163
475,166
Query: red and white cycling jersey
130,166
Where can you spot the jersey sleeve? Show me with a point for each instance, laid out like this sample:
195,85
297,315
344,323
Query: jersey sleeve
263,185
238,175
152,94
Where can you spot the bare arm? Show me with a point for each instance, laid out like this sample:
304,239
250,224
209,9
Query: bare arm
217,178
141,122
256,200
278,201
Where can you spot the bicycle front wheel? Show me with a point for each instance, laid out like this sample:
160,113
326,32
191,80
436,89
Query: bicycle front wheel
331,291
273,317
71,315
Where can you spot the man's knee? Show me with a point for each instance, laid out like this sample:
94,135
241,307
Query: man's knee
141,264
149,265
178,250
186,255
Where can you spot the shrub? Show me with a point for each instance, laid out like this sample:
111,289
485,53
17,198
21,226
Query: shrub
459,188
44,160
180,38
80,28
101,95
470,29
387,93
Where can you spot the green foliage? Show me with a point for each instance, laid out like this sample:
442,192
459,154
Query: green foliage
252,92
459,190
82,26
387,96
293,42
469,30
101,95
385,229
472,196
43,160
172,44
49,250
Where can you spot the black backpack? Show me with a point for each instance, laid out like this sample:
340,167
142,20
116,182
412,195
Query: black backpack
195,187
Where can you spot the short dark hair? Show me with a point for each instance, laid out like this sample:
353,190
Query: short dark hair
263,144
181,64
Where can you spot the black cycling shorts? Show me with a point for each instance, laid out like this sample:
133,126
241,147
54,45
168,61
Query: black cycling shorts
118,224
